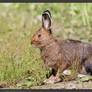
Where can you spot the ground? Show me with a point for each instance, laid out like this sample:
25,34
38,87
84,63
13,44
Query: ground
81,82
66,85
61,85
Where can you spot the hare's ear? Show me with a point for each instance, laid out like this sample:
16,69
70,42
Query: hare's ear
46,20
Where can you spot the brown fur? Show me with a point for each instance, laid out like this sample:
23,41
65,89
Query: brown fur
59,54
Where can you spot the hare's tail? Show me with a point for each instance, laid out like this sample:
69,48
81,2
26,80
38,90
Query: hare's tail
89,69
88,66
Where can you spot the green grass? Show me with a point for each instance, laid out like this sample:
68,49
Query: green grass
18,22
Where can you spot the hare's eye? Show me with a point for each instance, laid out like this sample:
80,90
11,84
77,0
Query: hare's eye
39,35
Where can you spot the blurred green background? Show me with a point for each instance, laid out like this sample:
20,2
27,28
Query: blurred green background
21,64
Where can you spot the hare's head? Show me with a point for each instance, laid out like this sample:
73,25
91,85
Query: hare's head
44,34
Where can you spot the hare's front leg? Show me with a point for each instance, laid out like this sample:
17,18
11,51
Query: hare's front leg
52,77
57,78
59,73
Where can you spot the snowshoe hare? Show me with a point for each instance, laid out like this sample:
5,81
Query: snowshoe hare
60,54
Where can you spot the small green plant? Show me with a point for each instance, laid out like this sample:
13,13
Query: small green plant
84,79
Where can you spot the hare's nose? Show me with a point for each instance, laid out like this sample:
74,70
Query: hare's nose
31,42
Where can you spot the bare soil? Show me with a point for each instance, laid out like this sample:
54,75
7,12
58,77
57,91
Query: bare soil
66,85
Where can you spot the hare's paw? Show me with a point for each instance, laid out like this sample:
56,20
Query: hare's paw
81,75
48,81
56,80
52,80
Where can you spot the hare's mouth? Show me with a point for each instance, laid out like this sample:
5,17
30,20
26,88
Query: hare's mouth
34,46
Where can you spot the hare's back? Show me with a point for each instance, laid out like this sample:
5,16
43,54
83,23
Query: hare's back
76,48
71,49
70,44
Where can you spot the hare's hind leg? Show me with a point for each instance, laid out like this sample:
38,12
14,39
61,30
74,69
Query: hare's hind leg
82,70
